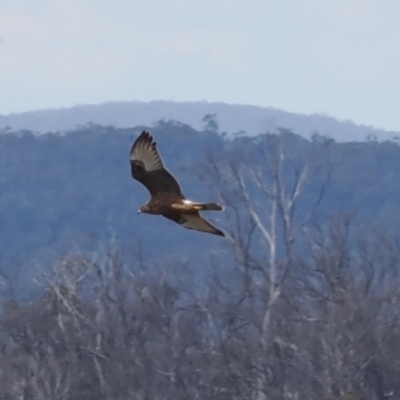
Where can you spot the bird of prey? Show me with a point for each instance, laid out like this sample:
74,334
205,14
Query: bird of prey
167,198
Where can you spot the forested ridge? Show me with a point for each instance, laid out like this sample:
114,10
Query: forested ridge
231,118
301,301
57,190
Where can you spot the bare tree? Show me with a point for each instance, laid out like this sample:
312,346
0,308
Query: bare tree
272,224
291,309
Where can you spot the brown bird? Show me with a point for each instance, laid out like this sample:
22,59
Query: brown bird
167,198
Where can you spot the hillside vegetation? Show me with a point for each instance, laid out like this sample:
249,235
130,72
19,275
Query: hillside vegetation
300,301
57,191
232,118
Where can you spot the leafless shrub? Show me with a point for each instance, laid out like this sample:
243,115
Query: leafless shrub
294,312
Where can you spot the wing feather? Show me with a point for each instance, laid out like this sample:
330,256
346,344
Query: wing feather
194,221
147,167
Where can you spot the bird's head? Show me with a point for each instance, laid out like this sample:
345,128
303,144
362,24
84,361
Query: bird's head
144,209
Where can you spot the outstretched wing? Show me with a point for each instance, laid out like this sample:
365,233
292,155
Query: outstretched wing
147,167
194,221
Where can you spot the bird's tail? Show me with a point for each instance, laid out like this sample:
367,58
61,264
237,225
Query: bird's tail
209,207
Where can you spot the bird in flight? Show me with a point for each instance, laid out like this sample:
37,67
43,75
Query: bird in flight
167,198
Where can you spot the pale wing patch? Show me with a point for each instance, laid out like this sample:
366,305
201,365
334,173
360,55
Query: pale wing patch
202,206
145,151
187,206
191,205
197,223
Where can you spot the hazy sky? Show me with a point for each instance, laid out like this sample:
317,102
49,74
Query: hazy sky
339,57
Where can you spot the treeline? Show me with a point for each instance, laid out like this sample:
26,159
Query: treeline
58,191
105,328
296,303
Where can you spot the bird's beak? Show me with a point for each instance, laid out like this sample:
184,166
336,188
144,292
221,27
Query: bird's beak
139,211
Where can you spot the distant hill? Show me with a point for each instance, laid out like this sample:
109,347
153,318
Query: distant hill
60,191
231,118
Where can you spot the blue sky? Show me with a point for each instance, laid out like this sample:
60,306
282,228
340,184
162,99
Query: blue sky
336,57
